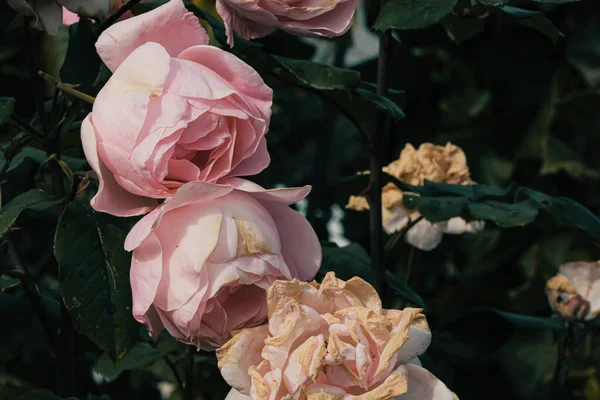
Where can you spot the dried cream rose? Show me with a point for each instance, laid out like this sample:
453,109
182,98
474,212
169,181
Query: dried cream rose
444,164
574,293
331,341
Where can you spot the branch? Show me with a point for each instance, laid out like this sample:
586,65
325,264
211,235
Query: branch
67,88
375,164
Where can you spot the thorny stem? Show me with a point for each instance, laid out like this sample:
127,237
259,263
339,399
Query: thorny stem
113,18
411,255
376,144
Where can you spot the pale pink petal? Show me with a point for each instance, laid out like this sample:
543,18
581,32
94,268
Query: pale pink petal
188,236
285,196
300,245
169,25
304,363
142,229
238,354
237,73
423,385
110,198
254,164
145,274
457,226
208,84
246,19
235,395
69,18
121,106
334,23
424,235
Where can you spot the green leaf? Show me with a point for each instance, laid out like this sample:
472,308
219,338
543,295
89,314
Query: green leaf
16,313
34,199
412,14
140,356
346,262
527,321
320,76
533,19
437,209
382,102
7,105
505,214
82,62
566,211
557,156
94,277
462,29
403,291
8,282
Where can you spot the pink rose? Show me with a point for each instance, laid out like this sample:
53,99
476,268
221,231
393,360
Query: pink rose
203,259
253,19
174,111
331,341
48,14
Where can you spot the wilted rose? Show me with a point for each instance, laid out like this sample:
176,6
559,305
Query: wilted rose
48,14
203,260
331,341
175,110
444,164
257,18
574,293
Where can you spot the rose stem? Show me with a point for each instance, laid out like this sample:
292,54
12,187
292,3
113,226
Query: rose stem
376,144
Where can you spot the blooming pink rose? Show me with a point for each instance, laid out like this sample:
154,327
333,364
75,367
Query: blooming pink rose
203,259
253,19
331,342
175,110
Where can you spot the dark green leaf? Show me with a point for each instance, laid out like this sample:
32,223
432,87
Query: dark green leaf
34,199
7,105
82,63
320,76
557,156
9,391
403,291
505,214
412,14
533,19
8,282
527,321
346,262
94,277
140,356
382,102
16,313
436,209
462,29
566,212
